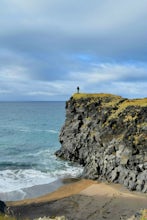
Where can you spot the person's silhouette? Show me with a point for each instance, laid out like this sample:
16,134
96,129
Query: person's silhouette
78,89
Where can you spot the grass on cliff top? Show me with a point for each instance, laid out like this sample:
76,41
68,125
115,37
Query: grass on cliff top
92,95
135,102
128,102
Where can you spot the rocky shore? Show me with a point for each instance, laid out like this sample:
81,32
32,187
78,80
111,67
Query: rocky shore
107,134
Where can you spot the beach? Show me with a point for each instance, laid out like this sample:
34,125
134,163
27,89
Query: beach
82,199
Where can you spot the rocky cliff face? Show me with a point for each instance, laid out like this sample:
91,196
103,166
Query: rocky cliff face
108,136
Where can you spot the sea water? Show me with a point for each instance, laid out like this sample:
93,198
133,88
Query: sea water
29,134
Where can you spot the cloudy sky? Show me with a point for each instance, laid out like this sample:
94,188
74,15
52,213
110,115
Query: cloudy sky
49,47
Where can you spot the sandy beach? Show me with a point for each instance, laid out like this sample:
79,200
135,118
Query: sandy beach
81,200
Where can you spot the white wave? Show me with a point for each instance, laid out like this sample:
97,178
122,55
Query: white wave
25,130
46,130
45,152
68,171
28,130
15,180
11,180
52,131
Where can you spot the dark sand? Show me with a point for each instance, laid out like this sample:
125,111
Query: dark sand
83,200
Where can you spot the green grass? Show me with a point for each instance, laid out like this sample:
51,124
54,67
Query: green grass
108,101
129,102
144,215
92,95
2,217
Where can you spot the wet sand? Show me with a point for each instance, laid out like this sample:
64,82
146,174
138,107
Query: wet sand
81,200
31,192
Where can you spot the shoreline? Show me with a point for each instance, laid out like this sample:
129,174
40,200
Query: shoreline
83,199
70,186
36,190
31,192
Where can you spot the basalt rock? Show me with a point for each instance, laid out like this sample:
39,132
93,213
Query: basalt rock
2,207
107,134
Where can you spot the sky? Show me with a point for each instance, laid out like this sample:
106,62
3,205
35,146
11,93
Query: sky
49,47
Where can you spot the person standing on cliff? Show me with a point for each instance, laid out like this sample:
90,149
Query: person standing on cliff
78,89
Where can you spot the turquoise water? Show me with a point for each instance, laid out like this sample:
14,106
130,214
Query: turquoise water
29,134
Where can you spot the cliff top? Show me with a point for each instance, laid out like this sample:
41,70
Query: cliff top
112,99
93,95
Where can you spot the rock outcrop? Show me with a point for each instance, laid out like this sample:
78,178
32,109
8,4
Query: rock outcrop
107,134
2,207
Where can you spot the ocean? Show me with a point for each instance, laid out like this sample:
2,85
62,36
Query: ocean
29,133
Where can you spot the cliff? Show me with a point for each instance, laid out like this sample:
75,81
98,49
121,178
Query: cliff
107,134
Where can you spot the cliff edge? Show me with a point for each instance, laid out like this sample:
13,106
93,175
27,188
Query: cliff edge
107,134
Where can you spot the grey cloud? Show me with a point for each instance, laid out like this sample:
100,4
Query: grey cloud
52,38
83,25
106,72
